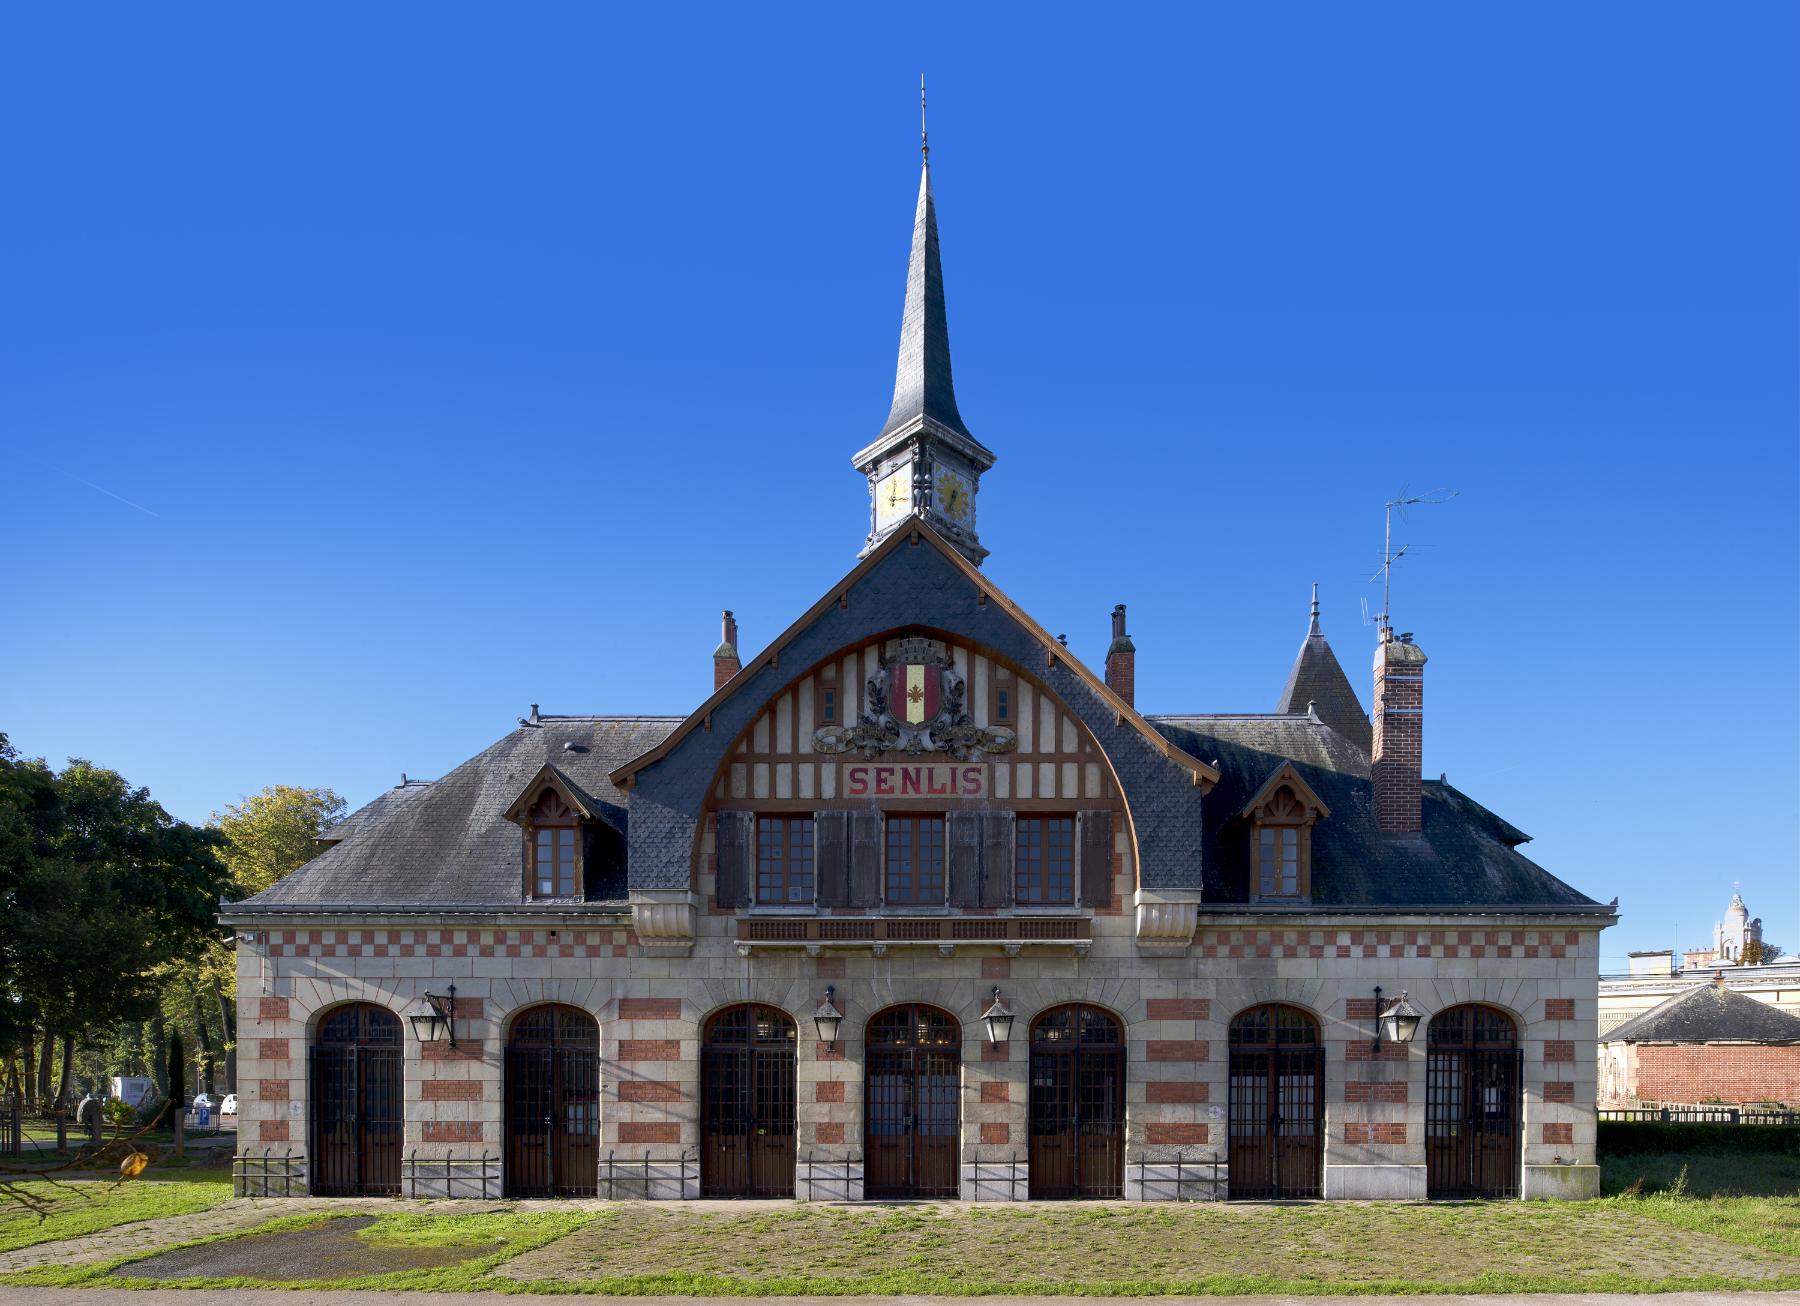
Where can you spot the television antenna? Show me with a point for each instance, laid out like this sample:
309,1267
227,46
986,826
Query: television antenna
1390,555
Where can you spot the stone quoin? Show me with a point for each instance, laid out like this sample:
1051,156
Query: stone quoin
915,904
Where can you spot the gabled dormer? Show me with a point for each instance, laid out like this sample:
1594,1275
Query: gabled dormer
555,820
1280,817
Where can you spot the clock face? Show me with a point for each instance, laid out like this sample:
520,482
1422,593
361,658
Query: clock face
954,499
893,495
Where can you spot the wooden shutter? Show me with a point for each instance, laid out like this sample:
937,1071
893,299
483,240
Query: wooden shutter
865,859
996,859
831,858
1093,833
962,832
733,839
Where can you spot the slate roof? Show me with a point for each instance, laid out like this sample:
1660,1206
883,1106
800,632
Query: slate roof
1316,678
447,843
1709,1014
1465,856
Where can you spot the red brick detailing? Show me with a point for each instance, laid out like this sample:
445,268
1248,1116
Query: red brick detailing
1121,659
1360,1009
1375,1135
829,967
450,1131
469,1008
1177,1009
466,1049
829,1131
1559,1049
1559,1133
725,657
272,1131
1176,1134
1399,721
1559,1008
993,1134
272,1049
272,1090
828,1051
1358,1049
828,1090
649,1008
996,1090
271,1008
451,1090
1356,1090
1175,1049
996,968
649,1131
649,1049
1559,1090
1177,1090
1739,1073
648,1090
995,1051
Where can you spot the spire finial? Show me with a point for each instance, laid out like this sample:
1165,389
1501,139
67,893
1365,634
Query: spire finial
924,139
1315,609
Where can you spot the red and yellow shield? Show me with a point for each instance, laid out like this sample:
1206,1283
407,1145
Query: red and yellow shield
915,691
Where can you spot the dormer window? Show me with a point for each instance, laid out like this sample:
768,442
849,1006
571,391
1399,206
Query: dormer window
555,849
1282,816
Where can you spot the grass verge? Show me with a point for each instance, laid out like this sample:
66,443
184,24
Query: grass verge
75,1209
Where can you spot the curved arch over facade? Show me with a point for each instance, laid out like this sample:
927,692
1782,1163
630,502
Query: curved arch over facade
1474,1084
748,1059
1277,1104
355,1067
912,1090
551,1101
1077,1103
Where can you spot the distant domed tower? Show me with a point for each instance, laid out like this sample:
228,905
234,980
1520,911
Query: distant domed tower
1736,931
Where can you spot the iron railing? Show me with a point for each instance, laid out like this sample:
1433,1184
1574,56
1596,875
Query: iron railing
450,1176
268,1175
1702,1115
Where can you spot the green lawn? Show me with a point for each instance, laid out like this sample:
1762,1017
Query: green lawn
52,1211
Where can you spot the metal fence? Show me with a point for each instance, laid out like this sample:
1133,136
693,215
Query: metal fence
12,1127
1702,1115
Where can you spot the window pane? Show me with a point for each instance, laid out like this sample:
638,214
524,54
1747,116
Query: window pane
931,859
546,863
828,707
1028,858
1290,862
800,860
1003,705
901,887
771,856
565,863
1059,859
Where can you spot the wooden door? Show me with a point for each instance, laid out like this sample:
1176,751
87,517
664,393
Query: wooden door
1473,1084
355,1069
1077,1104
747,1119
912,1088
552,1104
1277,1107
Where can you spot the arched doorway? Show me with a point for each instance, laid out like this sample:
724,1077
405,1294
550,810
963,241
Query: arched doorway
911,1083
1077,1103
1277,1104
747,1066
358,1118
1472,1089
553,1103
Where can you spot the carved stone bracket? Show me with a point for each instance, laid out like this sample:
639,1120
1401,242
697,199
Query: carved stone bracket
664,920
1166,919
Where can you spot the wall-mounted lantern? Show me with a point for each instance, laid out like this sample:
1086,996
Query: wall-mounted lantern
827,1019
1397,1024
999,1020
435,1012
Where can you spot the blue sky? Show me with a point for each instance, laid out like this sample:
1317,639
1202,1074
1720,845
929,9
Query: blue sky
368,373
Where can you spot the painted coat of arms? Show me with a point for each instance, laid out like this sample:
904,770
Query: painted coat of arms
915,705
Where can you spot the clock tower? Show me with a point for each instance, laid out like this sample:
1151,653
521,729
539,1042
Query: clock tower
924,463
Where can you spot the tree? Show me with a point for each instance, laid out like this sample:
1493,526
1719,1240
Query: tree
1758,953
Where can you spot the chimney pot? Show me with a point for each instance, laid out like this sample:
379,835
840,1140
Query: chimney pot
1121,659
725,657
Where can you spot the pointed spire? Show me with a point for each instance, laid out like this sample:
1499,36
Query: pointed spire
923,393
1317,686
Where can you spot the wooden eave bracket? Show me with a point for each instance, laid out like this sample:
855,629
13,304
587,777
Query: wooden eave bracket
1285,774
547,774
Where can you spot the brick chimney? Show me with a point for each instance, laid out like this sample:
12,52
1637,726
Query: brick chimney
725,657
1121,659
1399,733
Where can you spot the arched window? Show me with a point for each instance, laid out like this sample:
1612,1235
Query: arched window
553,1103
1077,1103
911,1092
747,1116
1473,1078
1277,1104
358,1119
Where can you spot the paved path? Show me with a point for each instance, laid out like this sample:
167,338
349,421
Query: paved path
149,1236
325,1297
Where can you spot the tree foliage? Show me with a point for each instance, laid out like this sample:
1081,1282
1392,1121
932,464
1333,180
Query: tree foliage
271,834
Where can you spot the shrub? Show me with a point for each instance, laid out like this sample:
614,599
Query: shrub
1629,1137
